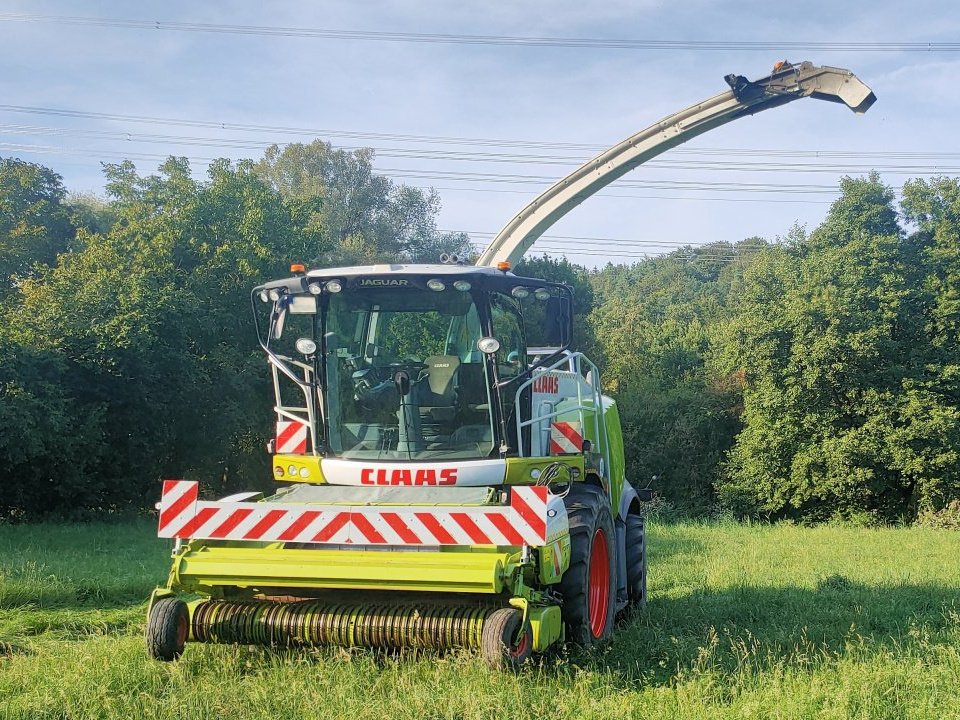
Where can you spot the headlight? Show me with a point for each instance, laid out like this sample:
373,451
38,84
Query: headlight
436,285
520,292
334,286
488,345
306,346
461,285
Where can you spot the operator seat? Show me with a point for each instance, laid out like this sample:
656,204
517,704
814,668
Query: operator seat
438,398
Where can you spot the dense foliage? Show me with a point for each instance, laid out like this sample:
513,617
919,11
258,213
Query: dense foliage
814,377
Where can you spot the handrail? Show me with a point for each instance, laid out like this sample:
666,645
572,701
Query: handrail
570,363
277,364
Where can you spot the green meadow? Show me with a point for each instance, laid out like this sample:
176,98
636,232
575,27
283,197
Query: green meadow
769,621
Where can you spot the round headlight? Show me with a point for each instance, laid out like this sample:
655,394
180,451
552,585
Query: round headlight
542,294
436,285
304,472
278,471
314,288
292,469
488,345
306,346
264,296
520,292
461,285
274,294
334,286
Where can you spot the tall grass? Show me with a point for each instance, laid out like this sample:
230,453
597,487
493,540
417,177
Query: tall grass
743,621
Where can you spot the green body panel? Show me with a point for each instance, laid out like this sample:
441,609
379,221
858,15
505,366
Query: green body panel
547,626
521,470
554,561
617,469
613,437
208,568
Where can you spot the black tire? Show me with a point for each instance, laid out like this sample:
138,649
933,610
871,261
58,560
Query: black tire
167,628
588,510
636,562
502,645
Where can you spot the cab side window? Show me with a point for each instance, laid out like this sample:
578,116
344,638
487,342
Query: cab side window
508,329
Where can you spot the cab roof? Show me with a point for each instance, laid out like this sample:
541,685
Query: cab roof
405,269
298,283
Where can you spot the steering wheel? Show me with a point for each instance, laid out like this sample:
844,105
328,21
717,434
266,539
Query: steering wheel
373,384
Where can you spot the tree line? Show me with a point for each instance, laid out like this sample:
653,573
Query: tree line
811,377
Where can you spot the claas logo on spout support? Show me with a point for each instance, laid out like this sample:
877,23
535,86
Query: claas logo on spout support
549,384
405,476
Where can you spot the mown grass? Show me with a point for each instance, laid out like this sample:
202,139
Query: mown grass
744,621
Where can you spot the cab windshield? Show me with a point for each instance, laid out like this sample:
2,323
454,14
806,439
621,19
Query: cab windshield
404,376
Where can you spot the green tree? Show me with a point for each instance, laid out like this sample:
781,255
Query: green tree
655,326
839,414
151,323
35,223
346,213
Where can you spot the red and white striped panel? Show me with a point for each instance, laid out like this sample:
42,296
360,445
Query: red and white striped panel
565,438
291,437
534,517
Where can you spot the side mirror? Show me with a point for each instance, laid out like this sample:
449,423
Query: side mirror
557,321
279,318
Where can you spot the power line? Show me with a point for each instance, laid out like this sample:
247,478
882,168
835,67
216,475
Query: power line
397,174
778,47
588,241
280,129
429,154
590,148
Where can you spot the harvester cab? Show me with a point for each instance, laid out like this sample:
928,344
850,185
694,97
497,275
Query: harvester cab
452,475
409,364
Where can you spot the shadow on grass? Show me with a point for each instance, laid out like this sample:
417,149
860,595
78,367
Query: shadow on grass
750,628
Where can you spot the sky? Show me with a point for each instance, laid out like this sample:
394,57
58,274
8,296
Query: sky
490,125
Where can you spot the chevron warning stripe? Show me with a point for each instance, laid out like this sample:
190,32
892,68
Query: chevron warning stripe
291,437
534,517
565,438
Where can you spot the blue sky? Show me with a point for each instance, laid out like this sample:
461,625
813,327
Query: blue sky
588,97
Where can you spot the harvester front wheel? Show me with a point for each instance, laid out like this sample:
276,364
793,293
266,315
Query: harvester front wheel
503,644
588,586
167,627
636,562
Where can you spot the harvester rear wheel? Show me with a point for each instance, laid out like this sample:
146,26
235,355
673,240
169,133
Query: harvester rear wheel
167,627
636,562
503,645
588,586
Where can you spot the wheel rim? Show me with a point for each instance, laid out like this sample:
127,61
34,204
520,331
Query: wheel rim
520,649
599,595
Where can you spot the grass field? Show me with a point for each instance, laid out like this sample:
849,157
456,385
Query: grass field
744,621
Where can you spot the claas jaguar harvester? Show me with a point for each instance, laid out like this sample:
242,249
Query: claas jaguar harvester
452,473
